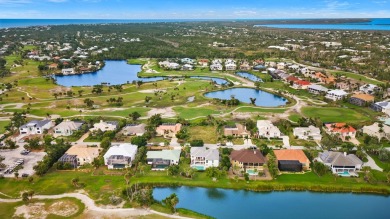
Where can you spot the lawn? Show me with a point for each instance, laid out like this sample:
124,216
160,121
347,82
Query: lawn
356,76
294,117
123,113
251,109
190,113
334,114
207,133
2,126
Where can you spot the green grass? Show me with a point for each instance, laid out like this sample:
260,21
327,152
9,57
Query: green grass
294,117
137,61
207,133
2,126
124,113
189,113
382,164
356,76
250,109
335,114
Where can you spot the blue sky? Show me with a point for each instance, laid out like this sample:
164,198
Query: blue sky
193,9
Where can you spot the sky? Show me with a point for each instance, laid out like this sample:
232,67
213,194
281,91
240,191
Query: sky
193,9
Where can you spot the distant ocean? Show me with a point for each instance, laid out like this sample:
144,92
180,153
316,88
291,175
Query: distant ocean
9,23
373,24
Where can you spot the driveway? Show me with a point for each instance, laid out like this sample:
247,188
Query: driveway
371,163
286,141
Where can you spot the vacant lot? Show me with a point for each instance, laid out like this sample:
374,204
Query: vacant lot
207,133
334,114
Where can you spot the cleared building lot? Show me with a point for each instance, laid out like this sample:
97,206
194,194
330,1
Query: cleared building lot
30,160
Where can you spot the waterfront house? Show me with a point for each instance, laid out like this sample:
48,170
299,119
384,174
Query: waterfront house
159,160
67,71
120,156
105,126
292,160
216,67
341,163
187,67
168,129
203,62
235,130
203,158
245,66
267,129
78,155
134,129
307,133
342,130
35,127
317,89
301,84
336,95
361,99
67,128
377,130
187,61
247,160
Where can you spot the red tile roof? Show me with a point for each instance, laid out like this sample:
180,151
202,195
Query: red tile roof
291,154
340,127
302,82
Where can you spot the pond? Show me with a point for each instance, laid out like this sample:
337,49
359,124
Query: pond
225,203
263,98
219,81
114,72
249,76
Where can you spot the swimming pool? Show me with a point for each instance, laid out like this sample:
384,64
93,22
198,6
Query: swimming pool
251,172
198,167
345,173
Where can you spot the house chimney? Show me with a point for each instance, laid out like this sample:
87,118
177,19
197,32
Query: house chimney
345,154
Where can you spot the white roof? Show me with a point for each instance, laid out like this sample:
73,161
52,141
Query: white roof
318,87
125,149
208,154
337,92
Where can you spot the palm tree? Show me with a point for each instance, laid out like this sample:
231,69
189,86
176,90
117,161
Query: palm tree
75,182
174,201
253,100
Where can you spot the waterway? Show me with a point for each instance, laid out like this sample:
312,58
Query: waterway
226,203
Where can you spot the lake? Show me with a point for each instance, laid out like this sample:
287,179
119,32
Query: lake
249,76
263,98
225,203
114,72
373,24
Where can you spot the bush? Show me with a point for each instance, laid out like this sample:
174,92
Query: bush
197,143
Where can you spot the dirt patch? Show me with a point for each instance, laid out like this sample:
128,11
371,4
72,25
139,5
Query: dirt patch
63,208
165,112
35,211
40,211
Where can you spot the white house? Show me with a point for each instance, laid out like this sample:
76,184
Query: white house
336,95
369,88
317,89
340,163
67,71
203,158
187,67
105,126
187,61
120,156
377,130
216,67
383,106
67,127
307,133
230,65
35,127
267,129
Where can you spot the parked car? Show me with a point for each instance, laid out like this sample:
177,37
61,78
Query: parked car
25,175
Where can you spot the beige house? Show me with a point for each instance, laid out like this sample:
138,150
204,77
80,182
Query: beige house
168,129
78,155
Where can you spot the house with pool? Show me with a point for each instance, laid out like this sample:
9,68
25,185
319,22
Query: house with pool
203,158
120,156
342,164
159,160
247,160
